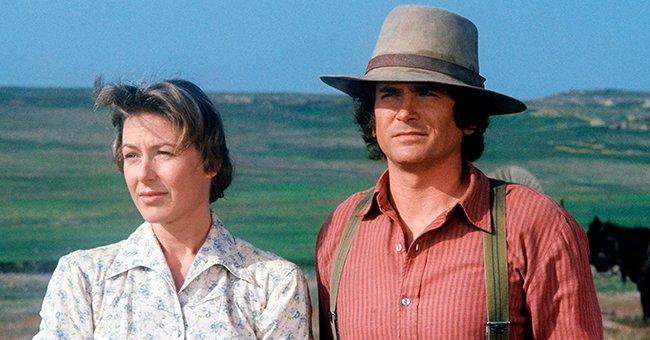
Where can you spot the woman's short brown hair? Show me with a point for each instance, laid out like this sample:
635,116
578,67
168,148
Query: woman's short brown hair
186,106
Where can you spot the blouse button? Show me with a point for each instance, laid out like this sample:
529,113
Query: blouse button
417,246
398,247
406,301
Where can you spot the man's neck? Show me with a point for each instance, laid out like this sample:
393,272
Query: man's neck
419,196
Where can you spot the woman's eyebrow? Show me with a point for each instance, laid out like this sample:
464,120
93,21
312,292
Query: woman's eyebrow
157,145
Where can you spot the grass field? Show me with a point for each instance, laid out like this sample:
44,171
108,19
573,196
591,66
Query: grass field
296,157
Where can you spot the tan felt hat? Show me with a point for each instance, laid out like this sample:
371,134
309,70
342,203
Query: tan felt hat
427,44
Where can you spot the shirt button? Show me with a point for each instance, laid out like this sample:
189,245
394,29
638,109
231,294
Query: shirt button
398,247
406,301
417,246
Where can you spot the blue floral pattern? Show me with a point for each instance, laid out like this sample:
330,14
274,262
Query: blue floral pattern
125,290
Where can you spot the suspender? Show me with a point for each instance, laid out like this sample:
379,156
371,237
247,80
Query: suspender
496,264
341,253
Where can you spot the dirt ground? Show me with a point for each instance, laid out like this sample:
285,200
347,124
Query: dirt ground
622,316
19,317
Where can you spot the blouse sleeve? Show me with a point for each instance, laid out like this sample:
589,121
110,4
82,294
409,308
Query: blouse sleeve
66,312
288,311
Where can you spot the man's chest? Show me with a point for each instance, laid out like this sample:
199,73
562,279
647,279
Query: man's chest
389,291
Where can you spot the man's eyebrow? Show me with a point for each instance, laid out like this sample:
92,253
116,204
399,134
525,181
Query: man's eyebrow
428,87
387,89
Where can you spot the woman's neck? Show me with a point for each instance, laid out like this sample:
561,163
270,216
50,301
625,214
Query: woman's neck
181,241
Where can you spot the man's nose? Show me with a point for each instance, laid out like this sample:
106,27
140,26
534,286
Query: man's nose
407,110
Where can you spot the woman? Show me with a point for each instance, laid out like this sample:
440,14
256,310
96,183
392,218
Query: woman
180,274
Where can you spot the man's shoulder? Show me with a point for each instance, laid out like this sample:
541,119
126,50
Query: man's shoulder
351,201
342,212
332,229
522,198
534,213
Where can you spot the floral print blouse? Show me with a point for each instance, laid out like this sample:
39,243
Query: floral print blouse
125,290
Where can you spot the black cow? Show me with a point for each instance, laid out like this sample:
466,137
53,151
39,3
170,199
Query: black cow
612,244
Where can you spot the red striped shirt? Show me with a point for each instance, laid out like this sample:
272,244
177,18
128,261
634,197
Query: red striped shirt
435,289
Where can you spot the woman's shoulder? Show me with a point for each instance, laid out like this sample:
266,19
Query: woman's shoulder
91,262
259,260
265,270
241,256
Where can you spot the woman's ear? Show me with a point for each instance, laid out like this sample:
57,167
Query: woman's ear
212,171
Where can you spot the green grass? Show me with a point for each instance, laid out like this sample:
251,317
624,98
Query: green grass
296,157
611,282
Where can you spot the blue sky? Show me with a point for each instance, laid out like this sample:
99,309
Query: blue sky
527,49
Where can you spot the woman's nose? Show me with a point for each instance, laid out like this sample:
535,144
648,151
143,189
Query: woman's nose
146,171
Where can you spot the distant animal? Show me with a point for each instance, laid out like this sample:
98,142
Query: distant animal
516,174
611,244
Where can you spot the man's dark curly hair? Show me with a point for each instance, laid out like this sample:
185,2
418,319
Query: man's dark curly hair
467,114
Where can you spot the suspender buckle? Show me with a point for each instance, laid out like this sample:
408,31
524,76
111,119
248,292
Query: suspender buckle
498,327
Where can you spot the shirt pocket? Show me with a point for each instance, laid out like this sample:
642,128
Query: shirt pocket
220,316
139,318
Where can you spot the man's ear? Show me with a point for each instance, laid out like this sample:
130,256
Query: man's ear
469,130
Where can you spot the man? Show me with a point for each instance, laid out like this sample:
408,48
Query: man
415,268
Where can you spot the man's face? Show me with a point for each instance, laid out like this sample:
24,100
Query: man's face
414,125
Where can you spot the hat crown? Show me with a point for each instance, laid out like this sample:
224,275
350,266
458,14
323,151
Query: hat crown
429,32
424,44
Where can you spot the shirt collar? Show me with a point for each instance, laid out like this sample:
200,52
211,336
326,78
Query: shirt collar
141,249
474,204
220,248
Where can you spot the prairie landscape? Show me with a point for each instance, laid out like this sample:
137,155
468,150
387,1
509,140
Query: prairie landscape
296,157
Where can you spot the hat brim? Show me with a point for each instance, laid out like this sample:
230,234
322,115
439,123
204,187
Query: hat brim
494,103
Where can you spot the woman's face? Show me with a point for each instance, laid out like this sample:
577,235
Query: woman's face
167,183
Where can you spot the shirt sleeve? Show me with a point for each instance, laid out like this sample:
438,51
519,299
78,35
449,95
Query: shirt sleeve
561,297
66,312
288,310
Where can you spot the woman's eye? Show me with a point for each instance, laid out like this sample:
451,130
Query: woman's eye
130,155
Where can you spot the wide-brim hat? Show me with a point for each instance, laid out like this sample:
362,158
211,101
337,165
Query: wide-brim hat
427,44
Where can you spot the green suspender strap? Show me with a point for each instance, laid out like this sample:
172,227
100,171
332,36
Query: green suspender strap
496,265
341,253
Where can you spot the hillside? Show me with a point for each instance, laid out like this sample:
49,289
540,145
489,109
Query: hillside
614,109
296,156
